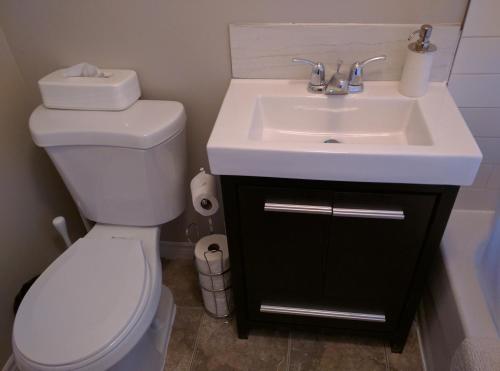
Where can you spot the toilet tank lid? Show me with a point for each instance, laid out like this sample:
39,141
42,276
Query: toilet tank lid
143,125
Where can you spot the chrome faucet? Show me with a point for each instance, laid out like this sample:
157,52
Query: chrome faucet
339,84
317,82
356,75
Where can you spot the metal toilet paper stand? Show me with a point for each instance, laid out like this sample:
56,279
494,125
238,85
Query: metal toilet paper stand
214,249
204,194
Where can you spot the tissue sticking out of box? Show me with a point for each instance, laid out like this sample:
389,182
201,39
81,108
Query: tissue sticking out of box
84,70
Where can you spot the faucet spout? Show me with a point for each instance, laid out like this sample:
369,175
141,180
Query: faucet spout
338,84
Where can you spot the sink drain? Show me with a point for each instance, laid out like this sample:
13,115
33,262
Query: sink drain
331,140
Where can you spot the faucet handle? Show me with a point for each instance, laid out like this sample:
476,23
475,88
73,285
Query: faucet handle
304,61
374,59
317,81
356,75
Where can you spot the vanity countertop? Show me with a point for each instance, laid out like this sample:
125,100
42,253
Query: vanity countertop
275,128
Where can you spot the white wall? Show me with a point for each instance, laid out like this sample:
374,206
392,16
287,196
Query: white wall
475,85
31,194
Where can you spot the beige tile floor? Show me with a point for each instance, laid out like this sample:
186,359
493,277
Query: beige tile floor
199,342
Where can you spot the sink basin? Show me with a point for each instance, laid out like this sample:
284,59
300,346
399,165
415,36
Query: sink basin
275,128
332,120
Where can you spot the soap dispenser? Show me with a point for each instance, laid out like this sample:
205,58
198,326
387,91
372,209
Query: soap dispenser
417,68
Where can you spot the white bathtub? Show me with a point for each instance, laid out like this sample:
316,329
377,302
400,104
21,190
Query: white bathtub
454,305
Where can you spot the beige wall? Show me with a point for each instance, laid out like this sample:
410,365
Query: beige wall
180,50
31,194
179,47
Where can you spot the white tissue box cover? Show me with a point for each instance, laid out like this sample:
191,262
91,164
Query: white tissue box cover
114,93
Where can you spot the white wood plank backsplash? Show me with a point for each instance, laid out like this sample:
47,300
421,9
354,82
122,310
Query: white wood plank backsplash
494,179
483,122
475,85
483,18
478,55
473,90
490,146
477,198
483,176
265,50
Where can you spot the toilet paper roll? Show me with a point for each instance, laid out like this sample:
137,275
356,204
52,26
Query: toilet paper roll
212,254
212,258
215,282
218,303
204,194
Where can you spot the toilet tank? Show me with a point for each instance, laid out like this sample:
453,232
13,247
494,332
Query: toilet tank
126,167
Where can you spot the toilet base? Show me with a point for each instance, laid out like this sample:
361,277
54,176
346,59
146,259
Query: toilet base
151,351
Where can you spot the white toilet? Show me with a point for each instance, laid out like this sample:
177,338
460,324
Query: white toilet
101,304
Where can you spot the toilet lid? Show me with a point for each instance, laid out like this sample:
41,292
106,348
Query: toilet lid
93,293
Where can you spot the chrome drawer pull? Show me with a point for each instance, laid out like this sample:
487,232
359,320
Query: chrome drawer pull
367,213
297,208
296,311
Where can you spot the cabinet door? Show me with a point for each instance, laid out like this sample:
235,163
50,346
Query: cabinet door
375,245
284,238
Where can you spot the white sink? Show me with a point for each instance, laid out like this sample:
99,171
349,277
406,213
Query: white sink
354,121
275,128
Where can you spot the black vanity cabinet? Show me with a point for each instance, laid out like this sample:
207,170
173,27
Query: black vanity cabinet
349,257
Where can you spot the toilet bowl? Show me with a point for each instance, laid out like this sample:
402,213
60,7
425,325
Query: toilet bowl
93,304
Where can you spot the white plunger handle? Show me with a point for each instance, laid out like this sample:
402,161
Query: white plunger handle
59,224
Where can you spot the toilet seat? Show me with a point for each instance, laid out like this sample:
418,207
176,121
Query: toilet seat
84,305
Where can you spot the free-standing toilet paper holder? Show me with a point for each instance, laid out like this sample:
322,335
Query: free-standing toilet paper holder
204,196
215,249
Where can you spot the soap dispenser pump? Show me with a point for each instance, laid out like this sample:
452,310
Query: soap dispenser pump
417,68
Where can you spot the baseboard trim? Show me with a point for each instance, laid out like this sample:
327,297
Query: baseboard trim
176,250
